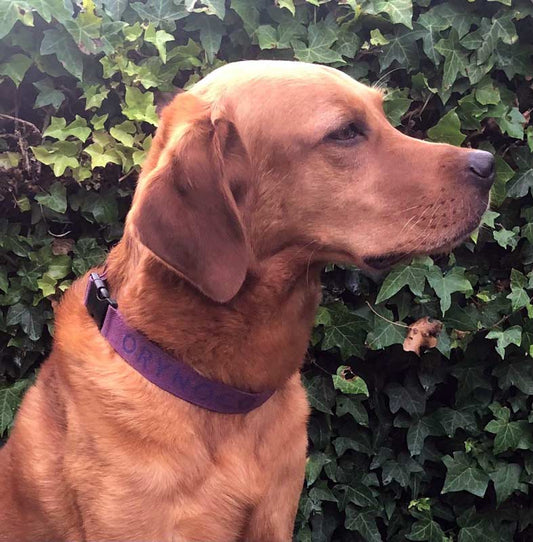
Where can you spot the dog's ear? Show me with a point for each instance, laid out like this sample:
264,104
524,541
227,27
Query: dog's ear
183,210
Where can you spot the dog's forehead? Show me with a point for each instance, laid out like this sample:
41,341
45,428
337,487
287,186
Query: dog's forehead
279,85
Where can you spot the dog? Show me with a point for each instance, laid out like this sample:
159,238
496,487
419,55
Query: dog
258,176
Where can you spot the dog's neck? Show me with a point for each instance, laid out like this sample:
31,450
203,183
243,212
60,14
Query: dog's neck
255,342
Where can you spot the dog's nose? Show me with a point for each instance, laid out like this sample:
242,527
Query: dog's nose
481,166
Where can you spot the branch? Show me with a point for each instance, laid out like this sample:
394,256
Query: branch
22,121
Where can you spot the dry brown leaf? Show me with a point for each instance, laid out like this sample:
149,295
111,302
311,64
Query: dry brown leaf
422,335
62,246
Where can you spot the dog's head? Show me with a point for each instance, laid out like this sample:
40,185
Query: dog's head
264,155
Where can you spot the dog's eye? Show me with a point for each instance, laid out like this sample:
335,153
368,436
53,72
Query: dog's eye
346,133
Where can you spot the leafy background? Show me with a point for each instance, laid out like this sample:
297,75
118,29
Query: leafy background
436,448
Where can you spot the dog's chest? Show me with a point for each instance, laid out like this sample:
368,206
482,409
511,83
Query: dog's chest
194,494
225,490
187,479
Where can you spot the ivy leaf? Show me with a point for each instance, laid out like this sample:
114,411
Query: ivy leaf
290,29
346,382
503,174
59,267
124,132
518,296
115,8
426,529
354,407
512,335
58,129
410,398
510,435
101,208
314,465
413,275
59,155
502,28
15,67
447,15
447,130
55,199
512,123
363,522
470,377
101,156
451,419
399,11
158,38
384,332
323,317
49,9
512,59
159,11
248,13
357,494
288,4
140,106
416,436
10,15
401,49
445,285
360,443
94,95
506,480
395,105
4,282
463,475
519,187
87,254
85,30
507,238
267,36
400,471
48,95
9,160
61,44
430,37
10,398
320,393
320,39
47,285
211,32
475,528
30,319
487,93
210,7
455,61
344,330
471,113
516,374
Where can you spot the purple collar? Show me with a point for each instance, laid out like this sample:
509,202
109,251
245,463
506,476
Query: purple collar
166,372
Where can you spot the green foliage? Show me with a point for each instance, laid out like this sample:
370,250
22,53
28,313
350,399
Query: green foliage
436,448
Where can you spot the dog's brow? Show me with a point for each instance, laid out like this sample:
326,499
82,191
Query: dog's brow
356,115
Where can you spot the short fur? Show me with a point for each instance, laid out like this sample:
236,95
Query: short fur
243,198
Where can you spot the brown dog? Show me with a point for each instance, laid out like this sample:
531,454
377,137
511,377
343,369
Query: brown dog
257,177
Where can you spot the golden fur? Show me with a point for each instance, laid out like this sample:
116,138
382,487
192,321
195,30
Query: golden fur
242,200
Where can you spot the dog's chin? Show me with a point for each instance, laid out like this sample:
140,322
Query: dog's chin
444,245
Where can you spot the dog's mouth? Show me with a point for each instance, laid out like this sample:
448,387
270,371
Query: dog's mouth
382,262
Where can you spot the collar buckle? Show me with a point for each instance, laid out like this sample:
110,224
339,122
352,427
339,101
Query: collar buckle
98,299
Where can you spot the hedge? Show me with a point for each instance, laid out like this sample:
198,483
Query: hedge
437,447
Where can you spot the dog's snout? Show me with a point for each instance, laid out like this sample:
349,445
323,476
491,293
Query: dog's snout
481,167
